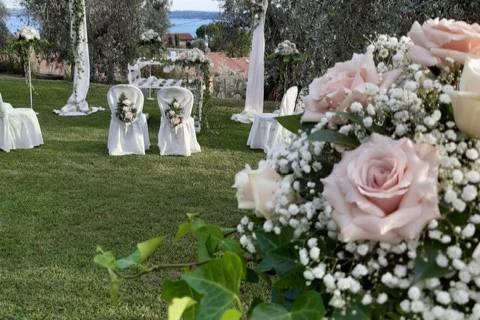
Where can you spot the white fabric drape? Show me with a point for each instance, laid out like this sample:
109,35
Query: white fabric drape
266,133
19,128
132,139
77,104
182,140
256,73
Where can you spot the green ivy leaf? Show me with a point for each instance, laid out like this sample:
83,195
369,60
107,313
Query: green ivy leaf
179,289
292,123
115,283
105,259
278,251
209,238
332,136
425,264
232,314
143,252
309,306
290,280
179,306
219,283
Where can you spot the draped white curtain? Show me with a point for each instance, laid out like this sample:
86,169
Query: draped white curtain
77,103
256,73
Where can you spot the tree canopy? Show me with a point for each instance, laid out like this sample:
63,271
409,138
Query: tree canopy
114,26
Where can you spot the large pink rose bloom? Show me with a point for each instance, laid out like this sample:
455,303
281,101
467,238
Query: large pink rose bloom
437,40
385,190
344,84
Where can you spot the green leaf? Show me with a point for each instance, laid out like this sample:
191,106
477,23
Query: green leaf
278,251
183,230
232,314
309,306
425,265
106,260
292,123
219,283
147,248
143,252
332,136
209,238
115,283
270,311
231,245
177,289
179,306
290,280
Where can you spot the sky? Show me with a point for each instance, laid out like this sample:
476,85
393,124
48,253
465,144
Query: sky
201,5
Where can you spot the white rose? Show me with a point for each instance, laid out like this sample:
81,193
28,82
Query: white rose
256,189
466,101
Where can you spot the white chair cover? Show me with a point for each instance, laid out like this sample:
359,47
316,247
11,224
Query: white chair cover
266,133
182,140
19,128
127,139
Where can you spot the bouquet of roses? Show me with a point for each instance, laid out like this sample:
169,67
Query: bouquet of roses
174,113
382,194
372,211
126,110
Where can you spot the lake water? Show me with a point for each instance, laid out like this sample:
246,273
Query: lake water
178,25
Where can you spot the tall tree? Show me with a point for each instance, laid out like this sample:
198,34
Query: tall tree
114,27
3,26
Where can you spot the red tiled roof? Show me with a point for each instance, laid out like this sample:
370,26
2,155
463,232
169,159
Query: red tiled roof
220,60
183,36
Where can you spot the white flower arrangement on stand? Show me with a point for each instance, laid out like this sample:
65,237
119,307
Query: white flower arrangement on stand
286,48
26,40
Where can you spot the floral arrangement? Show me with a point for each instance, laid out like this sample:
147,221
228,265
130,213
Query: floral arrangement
286,58
150,45
193,56
27,33
372,210
126,110
150,36
174,113
195,62
286,48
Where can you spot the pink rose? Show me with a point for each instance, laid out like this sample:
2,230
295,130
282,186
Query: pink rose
385,190
437,40
344,84
256,189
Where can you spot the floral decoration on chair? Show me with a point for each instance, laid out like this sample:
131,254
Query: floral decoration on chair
126,110
174,113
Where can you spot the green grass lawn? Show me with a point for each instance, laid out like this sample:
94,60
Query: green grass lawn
59,201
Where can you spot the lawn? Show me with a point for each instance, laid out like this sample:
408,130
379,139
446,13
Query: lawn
59,201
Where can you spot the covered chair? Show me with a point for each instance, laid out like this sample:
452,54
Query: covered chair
131,139
178,140
19,128
266,133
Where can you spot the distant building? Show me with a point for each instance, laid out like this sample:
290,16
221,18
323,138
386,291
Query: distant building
179,40
220,62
